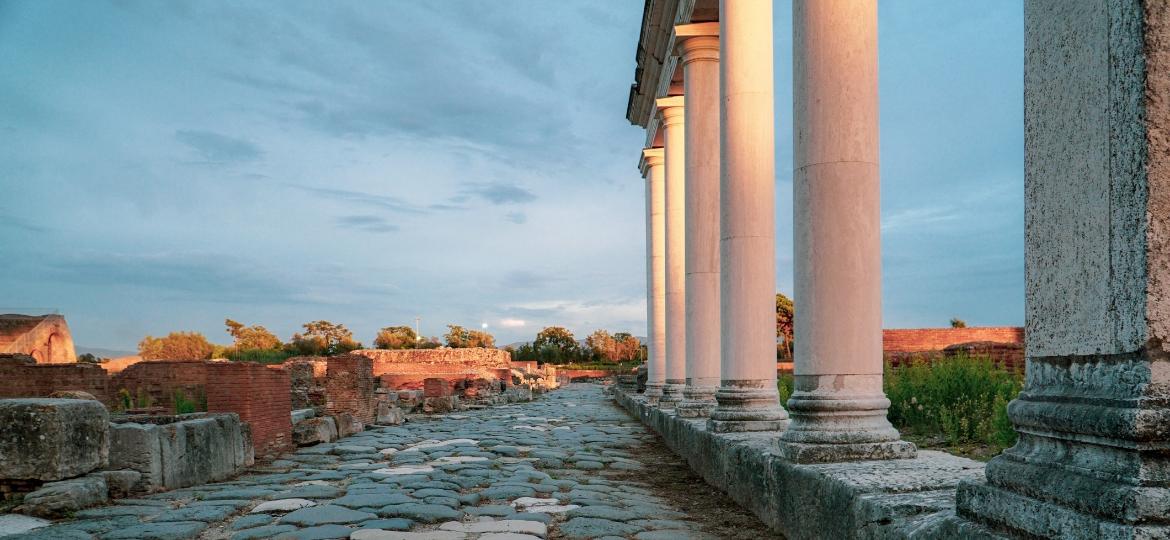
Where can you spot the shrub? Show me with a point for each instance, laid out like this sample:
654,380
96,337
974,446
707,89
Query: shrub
785,383
259,356
962,398
184,405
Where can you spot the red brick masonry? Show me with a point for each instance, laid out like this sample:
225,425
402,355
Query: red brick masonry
401,369
39,380
936,339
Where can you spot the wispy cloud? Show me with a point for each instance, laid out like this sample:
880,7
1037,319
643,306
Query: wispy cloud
386,202
512,323
517,217
217,148
918,217
367,223
499,192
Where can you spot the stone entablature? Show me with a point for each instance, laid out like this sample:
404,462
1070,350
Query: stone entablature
43,337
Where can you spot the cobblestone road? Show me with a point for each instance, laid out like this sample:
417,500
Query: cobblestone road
564,466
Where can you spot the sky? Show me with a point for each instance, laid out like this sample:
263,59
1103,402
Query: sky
167,165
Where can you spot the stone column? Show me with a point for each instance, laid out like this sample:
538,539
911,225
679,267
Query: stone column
1094,416
653,169
838,406
674,142
747,397
698,45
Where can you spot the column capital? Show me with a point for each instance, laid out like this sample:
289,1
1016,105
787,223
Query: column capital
651,157
671,108
697,42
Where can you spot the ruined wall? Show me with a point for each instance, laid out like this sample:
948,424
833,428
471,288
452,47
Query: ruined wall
260,395
902,340
399,369
160,379
19,377
44,337
349,387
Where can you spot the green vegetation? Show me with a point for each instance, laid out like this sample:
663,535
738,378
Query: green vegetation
785,317
176,346
187,406
557,345
957,404
259,356
459,337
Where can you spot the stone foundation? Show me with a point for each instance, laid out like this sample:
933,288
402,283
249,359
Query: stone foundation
897,498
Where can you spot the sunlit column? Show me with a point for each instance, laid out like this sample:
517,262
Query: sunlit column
653,169
674,142
698,45
838,406
747,396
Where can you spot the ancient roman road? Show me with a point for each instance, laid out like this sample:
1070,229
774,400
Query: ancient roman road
568,465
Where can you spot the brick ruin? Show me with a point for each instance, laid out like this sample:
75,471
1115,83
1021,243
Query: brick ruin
1003,344
407,369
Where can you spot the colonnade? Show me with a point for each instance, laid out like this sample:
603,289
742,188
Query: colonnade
711,291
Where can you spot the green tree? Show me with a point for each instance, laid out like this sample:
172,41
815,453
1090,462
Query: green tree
176,346
396,337
958,323
251,338
480,338
627,348
785,313
556,344
456,336
602,345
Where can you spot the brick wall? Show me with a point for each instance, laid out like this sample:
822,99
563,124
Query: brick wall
39,380
349,387
161,379
260,395
905,340
399,369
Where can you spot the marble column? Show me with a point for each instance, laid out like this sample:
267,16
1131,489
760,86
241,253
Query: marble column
747,397
674,143
698,47
1094,415
653,167
838,406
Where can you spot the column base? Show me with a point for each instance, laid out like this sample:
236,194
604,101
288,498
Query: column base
672,393
653,392
747,405
841,418
698,401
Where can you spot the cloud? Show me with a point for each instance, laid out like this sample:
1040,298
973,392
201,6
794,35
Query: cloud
918,217
387,202
499,192
516,217
13,222
525,279
217,148
511,323
367,223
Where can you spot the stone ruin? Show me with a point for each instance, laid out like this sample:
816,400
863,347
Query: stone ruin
169,424
46,338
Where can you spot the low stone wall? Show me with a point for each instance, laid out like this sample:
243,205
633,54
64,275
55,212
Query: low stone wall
908,498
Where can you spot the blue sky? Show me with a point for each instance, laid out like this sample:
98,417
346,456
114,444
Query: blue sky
165,165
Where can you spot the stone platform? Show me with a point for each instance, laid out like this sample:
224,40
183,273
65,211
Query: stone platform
901,498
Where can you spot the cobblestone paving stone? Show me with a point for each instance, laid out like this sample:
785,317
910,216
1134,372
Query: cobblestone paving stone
564,466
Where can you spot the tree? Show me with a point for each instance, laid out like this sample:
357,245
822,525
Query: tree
176,346
556,344
459,337
627,348
601,344
785,313
324,337
88,358
958,323
396,337
251,338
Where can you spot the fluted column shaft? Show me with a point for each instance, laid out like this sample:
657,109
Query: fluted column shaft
838,406
747,396
674,144
698,45
653,168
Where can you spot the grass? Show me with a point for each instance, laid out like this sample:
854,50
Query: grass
957,404
259,356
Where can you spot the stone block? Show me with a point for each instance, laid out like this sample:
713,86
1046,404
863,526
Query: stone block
122,483
299,415
137,447
187,452
389,415
315,430
57,499
52,439
440,404
347,425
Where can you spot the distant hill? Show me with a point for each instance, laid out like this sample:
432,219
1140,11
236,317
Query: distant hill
104,353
